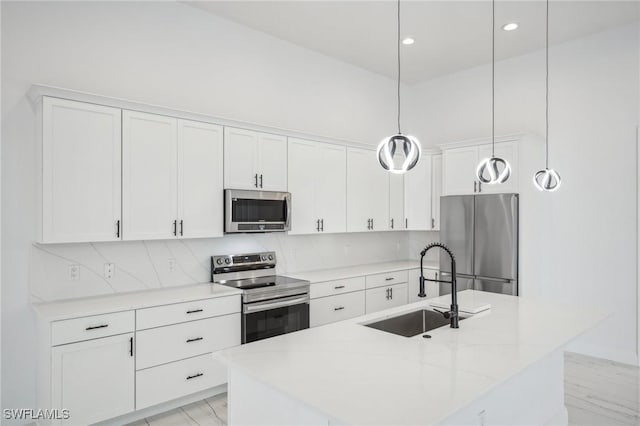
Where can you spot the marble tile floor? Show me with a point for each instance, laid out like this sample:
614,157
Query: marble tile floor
597,393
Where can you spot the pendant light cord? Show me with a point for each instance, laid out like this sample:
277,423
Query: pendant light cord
546,118
493,78
399,132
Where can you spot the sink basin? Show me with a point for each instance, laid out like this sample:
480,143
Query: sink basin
412,323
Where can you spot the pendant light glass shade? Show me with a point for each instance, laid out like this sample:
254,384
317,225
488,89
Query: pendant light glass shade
547,180
406,147
399,153
493,170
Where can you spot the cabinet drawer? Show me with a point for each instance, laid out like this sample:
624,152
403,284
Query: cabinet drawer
330,288
381,298
174,342
387,278
187,311
85,328
336,308
170,381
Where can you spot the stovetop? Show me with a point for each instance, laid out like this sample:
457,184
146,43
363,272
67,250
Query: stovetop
268,287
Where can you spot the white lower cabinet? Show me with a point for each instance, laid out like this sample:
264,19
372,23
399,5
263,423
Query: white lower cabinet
330,309
432,289
94,379
173,380
386,297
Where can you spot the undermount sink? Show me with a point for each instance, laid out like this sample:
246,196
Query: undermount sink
412,323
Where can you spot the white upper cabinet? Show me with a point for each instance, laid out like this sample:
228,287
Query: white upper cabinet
150,184
417,196
367,192
317,182
200,180
254,160
81,148
397,207
436,192
460,164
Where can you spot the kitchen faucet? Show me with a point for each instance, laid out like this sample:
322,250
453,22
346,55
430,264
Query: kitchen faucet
452,314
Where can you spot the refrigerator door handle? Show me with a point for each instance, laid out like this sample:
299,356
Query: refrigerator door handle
500,280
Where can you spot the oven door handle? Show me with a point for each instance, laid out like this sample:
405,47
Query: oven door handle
265,306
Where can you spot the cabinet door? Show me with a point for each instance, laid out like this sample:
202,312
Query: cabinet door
508,151
272,162
200,175
302,175
459,165
150,178
81,171
378,193
331,187
360,189
432,289
240,159
94,379
417,198
330,309
397,214
381,298
436,192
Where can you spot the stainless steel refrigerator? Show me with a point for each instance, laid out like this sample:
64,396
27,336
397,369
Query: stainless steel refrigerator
482,233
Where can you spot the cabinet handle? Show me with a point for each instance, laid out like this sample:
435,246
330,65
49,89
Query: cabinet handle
118,228
406,223
181,227
256,180
339,308
194,311
371,223
391,223
194,376
322,225
388,294
95,327
389,279
195,339
479,186
175,227
338,287
130,346
475,184
318,225
260,181
433,223
368,223
391,291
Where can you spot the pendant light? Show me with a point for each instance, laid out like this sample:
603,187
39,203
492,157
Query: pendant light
404,146
493,170
547,179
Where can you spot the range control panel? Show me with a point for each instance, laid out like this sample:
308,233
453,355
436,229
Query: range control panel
243,262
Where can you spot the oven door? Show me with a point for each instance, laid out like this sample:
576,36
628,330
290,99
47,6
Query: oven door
269,318
257,211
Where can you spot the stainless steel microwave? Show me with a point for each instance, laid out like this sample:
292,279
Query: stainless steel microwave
256,211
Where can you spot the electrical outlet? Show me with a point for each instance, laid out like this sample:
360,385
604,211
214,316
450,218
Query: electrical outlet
171,265
109,270
74,272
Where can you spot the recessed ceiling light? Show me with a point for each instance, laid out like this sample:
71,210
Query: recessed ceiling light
408,40
511,26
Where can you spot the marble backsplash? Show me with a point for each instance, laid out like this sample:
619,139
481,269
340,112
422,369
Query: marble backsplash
143,265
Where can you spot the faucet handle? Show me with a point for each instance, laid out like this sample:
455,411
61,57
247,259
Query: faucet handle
446,315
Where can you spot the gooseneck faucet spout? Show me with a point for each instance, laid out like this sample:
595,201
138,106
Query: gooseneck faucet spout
452,314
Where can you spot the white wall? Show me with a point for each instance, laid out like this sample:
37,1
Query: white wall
580,244
174,55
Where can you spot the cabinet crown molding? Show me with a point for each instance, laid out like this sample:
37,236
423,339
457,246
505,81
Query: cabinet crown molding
511,137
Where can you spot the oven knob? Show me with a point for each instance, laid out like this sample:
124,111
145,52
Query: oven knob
219,261
270,257
227,261
264,258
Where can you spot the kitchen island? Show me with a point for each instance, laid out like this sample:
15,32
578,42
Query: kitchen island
503,366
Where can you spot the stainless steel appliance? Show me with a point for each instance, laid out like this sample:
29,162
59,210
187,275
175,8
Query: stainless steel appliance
482,233
271,304
256,211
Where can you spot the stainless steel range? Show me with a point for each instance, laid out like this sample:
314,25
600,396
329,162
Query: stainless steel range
271,304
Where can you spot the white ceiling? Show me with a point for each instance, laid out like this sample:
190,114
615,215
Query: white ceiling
450,35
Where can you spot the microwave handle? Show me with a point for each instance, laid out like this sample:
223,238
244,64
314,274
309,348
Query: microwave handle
287,211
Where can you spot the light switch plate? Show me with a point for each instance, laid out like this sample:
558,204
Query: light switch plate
171,265
109,270
74,272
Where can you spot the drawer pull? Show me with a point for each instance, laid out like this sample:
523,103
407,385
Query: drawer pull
195,339
95,327
338,287
194,376
339,308
194,311
389,279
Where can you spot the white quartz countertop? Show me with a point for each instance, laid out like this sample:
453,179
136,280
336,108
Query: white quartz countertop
333,274
359,375
73,308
